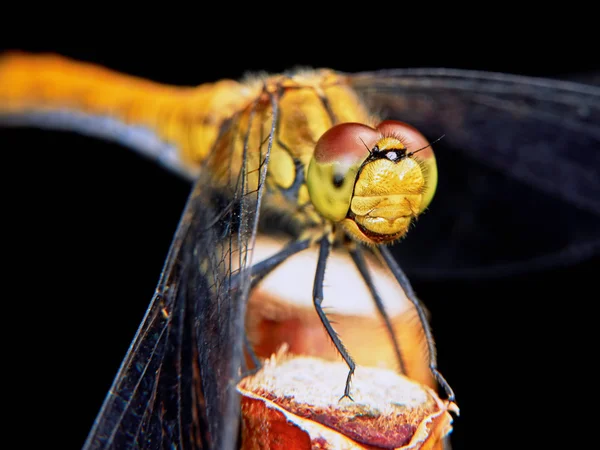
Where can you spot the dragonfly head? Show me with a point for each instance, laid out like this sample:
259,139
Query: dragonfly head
372,181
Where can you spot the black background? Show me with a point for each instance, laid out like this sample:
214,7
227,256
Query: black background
88,228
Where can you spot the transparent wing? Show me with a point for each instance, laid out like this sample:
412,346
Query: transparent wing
176,386
519,169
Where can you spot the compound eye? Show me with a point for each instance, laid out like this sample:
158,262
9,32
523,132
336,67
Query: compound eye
346,143
338,179
332,172
409,136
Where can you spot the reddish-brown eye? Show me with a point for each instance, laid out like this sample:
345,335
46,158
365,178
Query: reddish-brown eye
346,142
409,136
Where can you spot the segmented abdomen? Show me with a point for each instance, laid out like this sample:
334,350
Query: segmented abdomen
175,125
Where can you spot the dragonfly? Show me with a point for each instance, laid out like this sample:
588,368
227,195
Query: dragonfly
239,143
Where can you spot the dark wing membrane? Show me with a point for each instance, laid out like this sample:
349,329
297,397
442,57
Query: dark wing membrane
588,77
519,169
177,385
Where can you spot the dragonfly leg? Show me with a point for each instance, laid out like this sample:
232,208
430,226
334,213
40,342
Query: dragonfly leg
410,294
324,250
253,357
359,260
263,268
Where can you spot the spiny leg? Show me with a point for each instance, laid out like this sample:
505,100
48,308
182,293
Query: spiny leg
253,357
359,261
410,294
324,249
261,270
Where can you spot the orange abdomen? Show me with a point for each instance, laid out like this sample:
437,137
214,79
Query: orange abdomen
176,125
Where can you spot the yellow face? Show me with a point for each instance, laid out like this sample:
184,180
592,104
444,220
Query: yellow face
372,181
